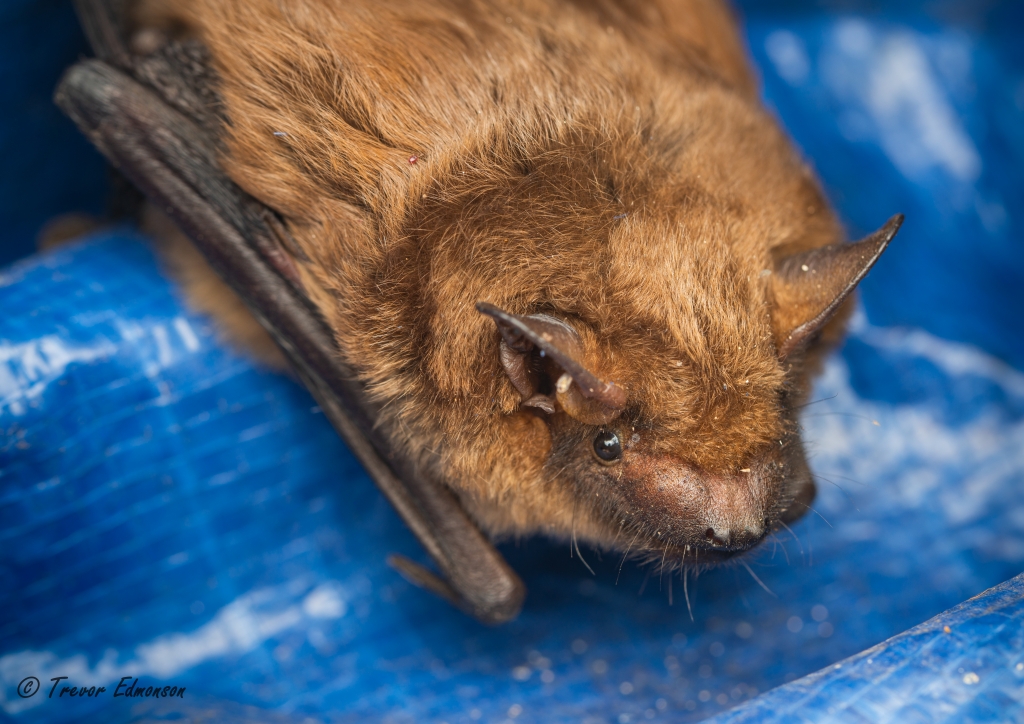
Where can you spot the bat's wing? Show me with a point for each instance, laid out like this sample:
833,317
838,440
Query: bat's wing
154,118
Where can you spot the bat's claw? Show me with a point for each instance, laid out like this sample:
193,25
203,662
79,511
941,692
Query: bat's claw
423,577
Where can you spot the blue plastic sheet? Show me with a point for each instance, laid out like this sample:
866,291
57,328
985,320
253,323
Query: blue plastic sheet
965,665
171,513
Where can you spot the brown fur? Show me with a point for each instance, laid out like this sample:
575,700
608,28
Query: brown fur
603,162
64,228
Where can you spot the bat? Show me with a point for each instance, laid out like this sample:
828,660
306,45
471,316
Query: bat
547,266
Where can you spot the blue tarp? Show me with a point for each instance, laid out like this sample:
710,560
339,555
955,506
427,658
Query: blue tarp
171,513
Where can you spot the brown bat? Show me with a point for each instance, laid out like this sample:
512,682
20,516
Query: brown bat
548,265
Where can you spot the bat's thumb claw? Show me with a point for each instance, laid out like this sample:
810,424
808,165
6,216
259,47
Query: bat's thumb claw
423,577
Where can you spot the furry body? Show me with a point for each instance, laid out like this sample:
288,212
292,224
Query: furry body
604,163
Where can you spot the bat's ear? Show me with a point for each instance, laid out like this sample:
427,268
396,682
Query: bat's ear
575,389
809,287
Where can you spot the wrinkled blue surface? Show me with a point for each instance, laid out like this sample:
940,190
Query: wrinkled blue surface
965,665
169,512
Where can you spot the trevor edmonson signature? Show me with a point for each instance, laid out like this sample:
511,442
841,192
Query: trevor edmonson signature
29,687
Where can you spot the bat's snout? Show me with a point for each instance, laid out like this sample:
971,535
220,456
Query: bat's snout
693,509
734,510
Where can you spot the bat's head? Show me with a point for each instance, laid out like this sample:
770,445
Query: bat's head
678,437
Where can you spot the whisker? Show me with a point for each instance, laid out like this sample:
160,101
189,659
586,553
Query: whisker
643,586
849,498
831,482
624,556
759,581
779,543
815,402
582,559
572,543
847,477
797,540
572,540
686,595
815,512
670,589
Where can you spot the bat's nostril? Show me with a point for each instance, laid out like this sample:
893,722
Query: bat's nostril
719,537
733,538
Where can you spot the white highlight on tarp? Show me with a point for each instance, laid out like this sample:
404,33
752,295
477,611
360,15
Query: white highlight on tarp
241,626
28,368
893,95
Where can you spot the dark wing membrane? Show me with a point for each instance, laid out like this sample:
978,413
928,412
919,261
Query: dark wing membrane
152,118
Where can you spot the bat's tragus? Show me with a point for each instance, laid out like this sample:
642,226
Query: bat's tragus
577,390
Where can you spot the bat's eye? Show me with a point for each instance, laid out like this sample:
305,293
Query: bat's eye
607,447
